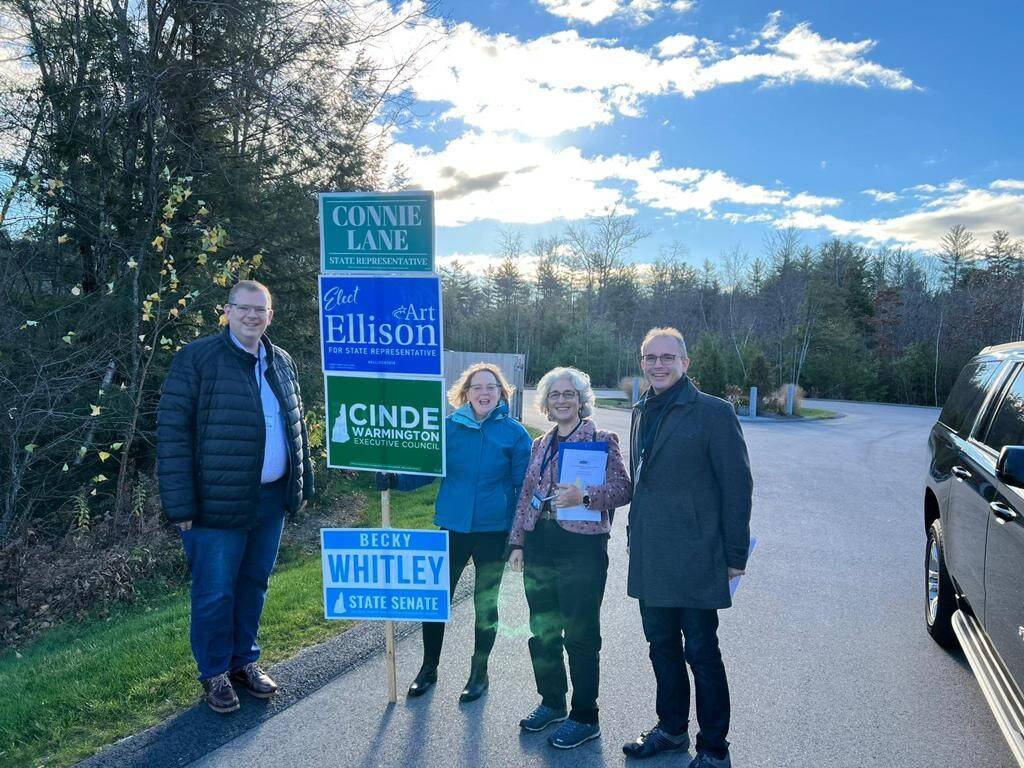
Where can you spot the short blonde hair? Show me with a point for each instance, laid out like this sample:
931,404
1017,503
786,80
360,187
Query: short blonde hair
249,285
580,382
667,331
457,393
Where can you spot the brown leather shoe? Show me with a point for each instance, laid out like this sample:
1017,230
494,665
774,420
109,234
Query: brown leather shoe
219,694
257,682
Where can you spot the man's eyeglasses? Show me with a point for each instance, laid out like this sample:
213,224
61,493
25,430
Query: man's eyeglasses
478,388
569,394
245,309
663,359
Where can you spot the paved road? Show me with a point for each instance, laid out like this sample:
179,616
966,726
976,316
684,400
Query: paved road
828,661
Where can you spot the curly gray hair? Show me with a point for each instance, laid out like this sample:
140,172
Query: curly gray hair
580,382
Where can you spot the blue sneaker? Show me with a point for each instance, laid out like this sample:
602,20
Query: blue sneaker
704,760
541,718
571,734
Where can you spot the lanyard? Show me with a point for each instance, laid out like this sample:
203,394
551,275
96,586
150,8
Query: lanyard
552,450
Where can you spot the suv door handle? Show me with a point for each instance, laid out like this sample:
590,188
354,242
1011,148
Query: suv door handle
1002,511
961,472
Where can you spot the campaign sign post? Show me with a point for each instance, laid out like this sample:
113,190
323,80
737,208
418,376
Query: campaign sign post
377,231
381,424
378,324
385,574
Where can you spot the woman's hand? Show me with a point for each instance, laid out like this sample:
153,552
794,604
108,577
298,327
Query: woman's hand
568,495
515,560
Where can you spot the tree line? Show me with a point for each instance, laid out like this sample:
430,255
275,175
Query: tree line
836,318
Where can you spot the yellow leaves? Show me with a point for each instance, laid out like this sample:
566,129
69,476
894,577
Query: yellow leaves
31,448
153,296
65,468
104,455
110,287
94,410
182,302
132,263
165,229
116,446
63,239
222,320
29,324
165,342
158,243
203,210
173,312
202,259
220,280
68,337
82,451
76,291
101,478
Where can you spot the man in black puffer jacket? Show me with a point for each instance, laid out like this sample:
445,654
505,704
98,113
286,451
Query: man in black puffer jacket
233,458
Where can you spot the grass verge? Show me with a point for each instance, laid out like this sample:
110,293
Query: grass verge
817,413
83,686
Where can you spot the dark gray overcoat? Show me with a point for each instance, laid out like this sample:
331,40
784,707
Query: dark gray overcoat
690,516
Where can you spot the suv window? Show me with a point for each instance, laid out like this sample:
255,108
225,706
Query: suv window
1007,427
966,395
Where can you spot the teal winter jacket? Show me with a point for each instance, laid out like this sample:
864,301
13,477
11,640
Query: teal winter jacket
486,463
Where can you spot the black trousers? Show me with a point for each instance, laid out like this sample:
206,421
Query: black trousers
666,629
564,576
487,551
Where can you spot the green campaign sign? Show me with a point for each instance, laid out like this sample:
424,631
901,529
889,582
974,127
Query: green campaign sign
382,423
377,232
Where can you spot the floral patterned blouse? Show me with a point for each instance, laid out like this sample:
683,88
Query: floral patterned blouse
615,492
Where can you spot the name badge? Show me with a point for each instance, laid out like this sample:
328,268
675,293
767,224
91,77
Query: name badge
537,501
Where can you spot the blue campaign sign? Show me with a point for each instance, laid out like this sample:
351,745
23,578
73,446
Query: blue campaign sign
379,324
385,574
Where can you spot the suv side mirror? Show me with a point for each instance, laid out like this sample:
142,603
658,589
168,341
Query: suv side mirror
1010,465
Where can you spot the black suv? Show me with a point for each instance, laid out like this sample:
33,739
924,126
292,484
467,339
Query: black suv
974,516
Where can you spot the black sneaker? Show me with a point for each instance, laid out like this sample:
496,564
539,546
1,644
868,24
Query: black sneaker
654,742
257,682
219,694
541,718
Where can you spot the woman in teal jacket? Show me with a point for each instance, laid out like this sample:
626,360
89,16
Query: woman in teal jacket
487,454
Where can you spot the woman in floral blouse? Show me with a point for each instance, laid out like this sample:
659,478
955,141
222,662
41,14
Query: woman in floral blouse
565,561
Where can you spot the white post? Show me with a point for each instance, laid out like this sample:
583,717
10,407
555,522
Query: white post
636,388
752,410
790,398
389,626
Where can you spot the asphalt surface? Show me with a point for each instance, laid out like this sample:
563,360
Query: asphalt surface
828,660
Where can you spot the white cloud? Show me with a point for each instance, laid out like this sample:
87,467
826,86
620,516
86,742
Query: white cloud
1014,184
880,196
979,210
811,202
561,82
597,11
676,44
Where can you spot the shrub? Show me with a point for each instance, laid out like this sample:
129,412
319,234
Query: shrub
776,401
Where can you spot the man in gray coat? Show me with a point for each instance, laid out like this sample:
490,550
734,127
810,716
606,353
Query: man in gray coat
689,533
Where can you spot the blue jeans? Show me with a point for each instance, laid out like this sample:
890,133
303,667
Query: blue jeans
230,572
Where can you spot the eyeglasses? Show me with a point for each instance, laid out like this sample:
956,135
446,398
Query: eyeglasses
478,388
569,394
245,309
663,359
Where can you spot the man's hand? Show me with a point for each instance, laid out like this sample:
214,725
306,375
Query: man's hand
568,495
734,572
185,526
515,560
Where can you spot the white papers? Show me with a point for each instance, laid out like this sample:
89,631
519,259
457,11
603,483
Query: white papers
582,465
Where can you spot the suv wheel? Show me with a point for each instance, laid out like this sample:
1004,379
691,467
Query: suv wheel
940,602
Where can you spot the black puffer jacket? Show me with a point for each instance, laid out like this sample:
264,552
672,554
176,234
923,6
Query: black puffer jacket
211,435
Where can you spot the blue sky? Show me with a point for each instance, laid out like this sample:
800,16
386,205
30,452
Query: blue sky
713,122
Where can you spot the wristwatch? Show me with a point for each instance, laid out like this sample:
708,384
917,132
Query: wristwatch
586,500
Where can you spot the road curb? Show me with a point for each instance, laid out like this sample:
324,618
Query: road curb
197,731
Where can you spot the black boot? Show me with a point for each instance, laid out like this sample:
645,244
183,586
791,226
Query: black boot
425,678
477,683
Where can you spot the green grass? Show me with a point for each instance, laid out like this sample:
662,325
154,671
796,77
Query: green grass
817,413
612,402
85,685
